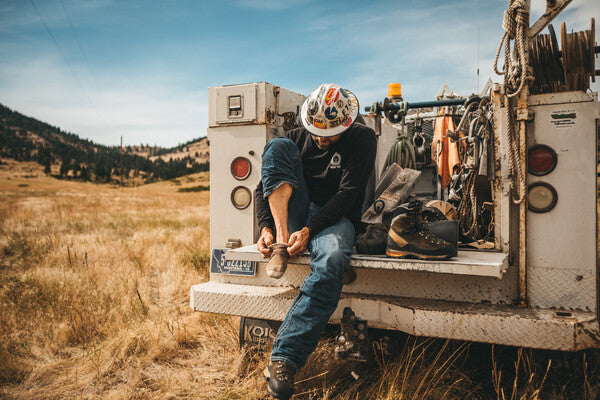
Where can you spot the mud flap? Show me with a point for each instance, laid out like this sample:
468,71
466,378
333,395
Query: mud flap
257,333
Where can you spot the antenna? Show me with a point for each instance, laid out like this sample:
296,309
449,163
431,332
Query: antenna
477,59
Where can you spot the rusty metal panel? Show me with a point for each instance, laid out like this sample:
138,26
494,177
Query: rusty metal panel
244,136
473,263
562,98
562,242
542,330
226,144
249,301
568,288
536,328
398,283
502,181
220,106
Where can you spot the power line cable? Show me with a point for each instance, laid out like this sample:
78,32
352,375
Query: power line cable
87,62
60,51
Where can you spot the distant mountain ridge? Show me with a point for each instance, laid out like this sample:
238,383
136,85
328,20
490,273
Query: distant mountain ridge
26,139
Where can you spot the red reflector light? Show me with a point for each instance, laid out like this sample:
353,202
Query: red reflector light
541,160
240,168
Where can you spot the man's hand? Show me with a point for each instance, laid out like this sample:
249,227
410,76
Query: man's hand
298,242
264,241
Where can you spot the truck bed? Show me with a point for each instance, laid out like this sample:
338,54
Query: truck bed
469,297
468,262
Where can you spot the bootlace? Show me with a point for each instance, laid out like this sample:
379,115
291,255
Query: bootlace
418,226
284,373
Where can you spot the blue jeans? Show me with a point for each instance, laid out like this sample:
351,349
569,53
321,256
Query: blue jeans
330,252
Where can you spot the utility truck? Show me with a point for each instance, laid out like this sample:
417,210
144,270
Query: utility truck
536,286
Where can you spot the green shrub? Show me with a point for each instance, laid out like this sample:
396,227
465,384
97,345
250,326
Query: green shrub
199,188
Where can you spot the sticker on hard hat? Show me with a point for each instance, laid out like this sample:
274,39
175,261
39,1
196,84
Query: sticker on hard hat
319,123
332,95
335,122
331,113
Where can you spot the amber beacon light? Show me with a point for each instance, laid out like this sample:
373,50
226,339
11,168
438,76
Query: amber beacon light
394,90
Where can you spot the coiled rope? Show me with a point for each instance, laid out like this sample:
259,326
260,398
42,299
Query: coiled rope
468,208
518,195
515,76
515,60
402,153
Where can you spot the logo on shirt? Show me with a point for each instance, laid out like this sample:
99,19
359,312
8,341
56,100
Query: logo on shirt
336,161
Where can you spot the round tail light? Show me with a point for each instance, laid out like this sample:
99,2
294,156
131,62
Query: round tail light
542,197
240,168
241,197
541,160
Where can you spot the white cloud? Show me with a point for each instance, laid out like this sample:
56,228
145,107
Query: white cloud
154,113
422,47
419,45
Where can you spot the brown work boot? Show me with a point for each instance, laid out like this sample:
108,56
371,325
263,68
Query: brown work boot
409,236
278,262
280,378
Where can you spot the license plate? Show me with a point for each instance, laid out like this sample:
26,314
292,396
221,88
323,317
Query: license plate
218,265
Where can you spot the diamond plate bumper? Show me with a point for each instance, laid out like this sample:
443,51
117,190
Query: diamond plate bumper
489,323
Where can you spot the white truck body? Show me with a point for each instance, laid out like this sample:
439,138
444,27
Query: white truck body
471,297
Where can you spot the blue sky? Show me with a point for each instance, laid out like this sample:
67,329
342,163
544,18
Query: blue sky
141,69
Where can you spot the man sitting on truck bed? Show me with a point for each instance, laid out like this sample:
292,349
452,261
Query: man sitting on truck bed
310,197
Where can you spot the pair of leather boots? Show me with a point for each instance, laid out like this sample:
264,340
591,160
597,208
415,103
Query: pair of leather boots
405,233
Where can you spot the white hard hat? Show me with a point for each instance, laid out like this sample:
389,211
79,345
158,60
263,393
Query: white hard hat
329,110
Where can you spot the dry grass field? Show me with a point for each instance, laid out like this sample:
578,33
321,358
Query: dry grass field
94,291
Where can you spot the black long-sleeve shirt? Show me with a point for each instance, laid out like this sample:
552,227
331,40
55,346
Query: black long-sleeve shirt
336,177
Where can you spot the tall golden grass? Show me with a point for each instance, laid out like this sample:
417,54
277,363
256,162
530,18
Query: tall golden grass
94,304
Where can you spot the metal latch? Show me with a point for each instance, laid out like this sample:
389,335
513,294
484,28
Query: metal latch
233,243
235,106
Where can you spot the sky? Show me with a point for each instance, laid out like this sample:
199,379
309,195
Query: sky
103,69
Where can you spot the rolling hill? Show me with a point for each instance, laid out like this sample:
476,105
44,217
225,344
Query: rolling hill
26,139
